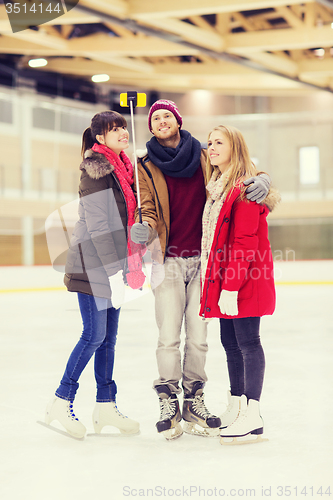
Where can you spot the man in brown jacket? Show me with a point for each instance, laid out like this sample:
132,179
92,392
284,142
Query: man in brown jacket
173,195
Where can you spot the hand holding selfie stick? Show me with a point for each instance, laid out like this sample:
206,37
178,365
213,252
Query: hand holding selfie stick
134,99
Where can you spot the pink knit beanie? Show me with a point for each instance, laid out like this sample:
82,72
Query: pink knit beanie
165,104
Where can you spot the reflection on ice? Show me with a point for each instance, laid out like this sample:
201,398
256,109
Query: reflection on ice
38,330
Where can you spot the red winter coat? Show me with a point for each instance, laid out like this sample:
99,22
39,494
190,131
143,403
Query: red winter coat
240,259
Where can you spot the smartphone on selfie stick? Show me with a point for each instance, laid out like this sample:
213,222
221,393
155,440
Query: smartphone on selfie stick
132,100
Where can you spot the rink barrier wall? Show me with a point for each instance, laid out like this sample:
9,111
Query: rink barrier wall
39,278
63,289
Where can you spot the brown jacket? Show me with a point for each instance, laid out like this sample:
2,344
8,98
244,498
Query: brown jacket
155,204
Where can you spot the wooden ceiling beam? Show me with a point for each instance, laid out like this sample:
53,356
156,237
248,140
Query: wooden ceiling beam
313,71
222,25
134,65
134,58
316,67
323,13
243,21
310,15
252,23
162,70
144,9
70,18
283,39
291,18
101,43
202,23
66,30
319,80
74,17
85,67
40,38
283,65
12,45
99,46
198,36
120,30
199,70
4,21
118,8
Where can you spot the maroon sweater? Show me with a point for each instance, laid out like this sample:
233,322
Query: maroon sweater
187,198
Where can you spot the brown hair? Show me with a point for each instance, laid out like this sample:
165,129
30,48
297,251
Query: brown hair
101,123
241,165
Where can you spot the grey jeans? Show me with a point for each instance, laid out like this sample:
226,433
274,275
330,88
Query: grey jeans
178,298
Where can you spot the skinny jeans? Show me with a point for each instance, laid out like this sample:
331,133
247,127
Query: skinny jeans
245,356
100,327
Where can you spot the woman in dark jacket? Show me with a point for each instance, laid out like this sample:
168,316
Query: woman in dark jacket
237,277
100,258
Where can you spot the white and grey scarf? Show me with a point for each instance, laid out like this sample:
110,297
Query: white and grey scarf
216,188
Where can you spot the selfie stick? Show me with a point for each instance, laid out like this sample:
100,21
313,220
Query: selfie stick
132,102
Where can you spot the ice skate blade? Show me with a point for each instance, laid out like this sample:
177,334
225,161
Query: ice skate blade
113,434
173,433
59,431
248,439
130,432
98,432
197,430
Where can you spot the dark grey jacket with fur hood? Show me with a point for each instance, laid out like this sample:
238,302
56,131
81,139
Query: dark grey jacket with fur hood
98,245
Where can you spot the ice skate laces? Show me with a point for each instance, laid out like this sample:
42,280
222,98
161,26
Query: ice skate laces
118,412
229,409
242,415
198,405
71,411
168,408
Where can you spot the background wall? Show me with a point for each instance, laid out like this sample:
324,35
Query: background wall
40,141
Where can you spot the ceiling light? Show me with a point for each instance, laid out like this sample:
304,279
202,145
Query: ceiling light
37,63
319,52
100,78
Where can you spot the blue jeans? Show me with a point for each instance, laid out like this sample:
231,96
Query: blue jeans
245,356
100,327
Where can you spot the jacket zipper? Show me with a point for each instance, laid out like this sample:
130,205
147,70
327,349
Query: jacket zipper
122,194
210,272
159,203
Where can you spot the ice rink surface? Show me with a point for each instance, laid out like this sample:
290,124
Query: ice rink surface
40,324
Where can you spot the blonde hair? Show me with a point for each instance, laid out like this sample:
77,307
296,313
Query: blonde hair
240,166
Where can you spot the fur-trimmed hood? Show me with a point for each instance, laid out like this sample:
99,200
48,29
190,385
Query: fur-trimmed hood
272,199
141,153
96,165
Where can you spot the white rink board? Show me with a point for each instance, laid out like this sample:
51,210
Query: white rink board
25,277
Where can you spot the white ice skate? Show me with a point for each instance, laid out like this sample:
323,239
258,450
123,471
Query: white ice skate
170,417
197,419
108,414
248,426
62,411
232,411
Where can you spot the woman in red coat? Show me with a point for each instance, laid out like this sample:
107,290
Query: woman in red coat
237,277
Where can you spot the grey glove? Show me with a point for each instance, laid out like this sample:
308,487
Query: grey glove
259,187
140,232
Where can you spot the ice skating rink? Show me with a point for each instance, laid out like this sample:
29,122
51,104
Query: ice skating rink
40,323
